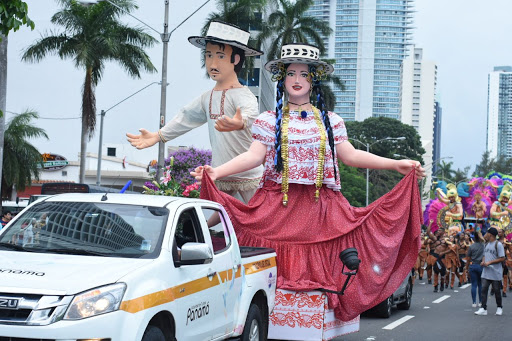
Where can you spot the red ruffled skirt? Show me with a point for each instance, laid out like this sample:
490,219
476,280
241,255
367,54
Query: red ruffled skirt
308,237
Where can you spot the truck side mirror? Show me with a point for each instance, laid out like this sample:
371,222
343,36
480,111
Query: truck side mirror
195,253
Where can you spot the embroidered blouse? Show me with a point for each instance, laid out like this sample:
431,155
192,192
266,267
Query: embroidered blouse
303,150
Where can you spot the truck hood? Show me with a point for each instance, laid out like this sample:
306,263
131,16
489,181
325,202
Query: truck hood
61,274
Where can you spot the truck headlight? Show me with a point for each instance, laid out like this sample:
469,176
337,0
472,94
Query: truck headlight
96,302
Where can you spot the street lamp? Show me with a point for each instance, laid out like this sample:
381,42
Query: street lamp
368,145
102,114
165,36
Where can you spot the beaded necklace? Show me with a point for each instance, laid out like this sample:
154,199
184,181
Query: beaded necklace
284,154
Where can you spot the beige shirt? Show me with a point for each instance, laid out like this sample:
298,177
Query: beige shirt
225,145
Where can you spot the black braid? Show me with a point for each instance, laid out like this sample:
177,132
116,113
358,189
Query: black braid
325,116
278,161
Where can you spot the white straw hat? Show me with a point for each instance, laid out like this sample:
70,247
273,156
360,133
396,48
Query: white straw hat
301,54
228,34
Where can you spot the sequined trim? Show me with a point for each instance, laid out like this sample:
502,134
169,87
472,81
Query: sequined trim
284,154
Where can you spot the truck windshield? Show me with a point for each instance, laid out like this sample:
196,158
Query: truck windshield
83,228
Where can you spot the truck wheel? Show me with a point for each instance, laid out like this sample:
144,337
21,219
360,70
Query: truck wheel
153,333
253,329
408,298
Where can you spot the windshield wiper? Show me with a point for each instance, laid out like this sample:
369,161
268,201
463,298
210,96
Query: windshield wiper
13,246
77,252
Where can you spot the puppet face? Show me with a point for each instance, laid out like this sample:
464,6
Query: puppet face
504,200
218,61
297,82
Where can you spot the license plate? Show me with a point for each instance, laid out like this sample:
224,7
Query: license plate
9,303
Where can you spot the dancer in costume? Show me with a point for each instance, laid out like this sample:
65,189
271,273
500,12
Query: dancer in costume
499,209
438,249
299,209
455,211
229,108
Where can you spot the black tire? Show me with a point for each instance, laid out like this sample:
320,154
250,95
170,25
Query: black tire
384,308
405,305
254,327
153,333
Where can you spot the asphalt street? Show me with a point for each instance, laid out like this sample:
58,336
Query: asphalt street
446,315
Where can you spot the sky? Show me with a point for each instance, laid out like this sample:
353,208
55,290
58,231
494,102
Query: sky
465,38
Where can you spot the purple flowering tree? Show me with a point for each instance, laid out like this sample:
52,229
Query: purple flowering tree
176,180
185,161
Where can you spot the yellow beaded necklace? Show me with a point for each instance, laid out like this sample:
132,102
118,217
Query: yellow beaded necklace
284,153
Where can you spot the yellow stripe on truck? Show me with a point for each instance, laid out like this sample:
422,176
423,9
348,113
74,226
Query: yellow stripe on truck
168,295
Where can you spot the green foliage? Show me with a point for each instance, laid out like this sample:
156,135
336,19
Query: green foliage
20,158
487,165
378,128
374,131
353,185
13,15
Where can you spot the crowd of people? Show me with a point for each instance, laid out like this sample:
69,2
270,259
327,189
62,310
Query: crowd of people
477,253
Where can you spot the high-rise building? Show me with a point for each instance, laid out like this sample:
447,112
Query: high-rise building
369,44
418,103
499,112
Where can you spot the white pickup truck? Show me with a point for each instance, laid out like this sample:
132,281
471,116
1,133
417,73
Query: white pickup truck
122,267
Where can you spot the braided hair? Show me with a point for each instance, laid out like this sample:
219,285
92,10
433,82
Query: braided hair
325,116
278,160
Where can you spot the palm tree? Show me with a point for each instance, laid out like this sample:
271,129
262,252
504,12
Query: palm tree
93,36
20,159
289,24
245,14
445,170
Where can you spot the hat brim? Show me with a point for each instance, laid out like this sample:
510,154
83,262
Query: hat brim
273,64
201,43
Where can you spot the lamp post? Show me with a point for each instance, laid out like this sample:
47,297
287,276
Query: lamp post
165,36
368,145
102,114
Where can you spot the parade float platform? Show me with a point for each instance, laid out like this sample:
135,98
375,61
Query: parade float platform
306,316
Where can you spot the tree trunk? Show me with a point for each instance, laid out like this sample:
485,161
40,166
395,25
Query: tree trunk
3,97
88,119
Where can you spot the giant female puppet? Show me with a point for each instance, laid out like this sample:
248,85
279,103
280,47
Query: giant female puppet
299,209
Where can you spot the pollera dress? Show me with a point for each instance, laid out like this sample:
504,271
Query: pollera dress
309,234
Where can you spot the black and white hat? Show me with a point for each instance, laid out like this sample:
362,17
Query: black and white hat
299,53
228,34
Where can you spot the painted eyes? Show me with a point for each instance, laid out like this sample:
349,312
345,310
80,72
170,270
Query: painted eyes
292,74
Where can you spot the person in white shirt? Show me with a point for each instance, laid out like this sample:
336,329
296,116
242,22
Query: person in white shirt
492,273
229,108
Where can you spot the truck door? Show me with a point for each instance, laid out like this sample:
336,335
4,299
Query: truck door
199,293
226,263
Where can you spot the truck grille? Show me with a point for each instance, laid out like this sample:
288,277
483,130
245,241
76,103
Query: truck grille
30,309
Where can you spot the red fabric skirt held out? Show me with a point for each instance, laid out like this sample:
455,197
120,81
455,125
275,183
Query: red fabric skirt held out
308,237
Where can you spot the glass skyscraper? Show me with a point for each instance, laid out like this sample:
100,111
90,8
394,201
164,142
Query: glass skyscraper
369,43
499,112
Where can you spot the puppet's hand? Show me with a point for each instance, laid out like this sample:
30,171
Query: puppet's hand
144,140
225,123
405,166
199,171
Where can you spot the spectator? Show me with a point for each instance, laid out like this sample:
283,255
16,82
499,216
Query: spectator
474,259
492,272
6,217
